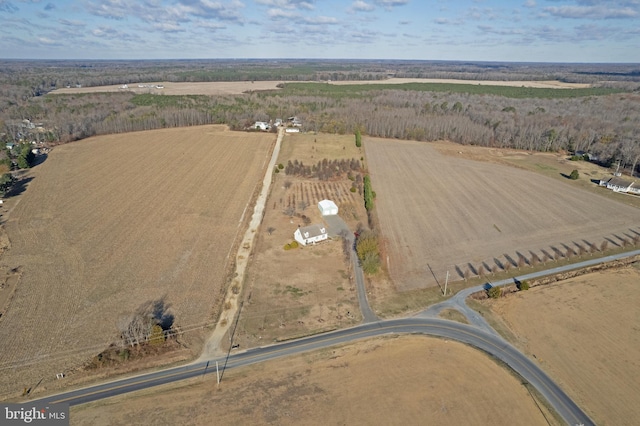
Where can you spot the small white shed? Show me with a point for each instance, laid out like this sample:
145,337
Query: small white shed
327,208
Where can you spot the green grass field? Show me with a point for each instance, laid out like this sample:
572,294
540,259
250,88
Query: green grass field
354,90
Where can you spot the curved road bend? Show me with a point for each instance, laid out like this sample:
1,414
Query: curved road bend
459,300
489,343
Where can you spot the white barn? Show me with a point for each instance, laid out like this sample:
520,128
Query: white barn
327,208
310,234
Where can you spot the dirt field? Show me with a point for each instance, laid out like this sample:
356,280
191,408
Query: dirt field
586,335
555,165
112,222
442,212
208,88
406,380
305,290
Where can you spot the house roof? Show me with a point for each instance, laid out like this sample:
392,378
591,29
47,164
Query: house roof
619,182
312,230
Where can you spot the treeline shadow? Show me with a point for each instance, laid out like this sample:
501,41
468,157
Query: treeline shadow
18,187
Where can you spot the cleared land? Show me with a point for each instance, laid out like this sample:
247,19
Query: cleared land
441,212
406,380
238,87
112,222
295,292
585,332
203,88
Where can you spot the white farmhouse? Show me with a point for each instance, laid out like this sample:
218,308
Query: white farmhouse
310,234
617,185
327,208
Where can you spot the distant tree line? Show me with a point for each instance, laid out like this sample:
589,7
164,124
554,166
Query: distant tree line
607,126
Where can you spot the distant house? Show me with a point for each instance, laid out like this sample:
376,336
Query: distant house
278,122
261,125
617,184
310,234
10,145
294,121
327,208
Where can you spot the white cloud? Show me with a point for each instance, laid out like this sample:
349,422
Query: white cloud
168,27
154,11
69,23
592,12
103,31
210,25
288,4
362,6
447,21
500,31
113,9
282,14
391,3
48,41
320,20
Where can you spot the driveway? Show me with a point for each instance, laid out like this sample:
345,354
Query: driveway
335,225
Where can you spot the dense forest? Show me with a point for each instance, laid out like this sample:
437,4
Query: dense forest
603,120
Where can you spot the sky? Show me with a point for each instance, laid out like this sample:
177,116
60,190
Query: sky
467,30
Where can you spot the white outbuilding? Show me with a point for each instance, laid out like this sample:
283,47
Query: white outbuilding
327,208
310,234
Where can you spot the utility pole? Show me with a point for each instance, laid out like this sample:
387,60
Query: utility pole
446,281
218,373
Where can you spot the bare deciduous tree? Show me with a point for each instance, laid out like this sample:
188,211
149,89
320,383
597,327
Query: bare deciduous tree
136,328
290,211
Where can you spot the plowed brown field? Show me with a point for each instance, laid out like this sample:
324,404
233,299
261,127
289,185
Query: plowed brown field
112,222
439,212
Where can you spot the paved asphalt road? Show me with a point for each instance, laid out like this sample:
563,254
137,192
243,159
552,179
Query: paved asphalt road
459,300
489,343
478,335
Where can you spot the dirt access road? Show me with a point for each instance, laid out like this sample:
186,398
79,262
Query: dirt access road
232,302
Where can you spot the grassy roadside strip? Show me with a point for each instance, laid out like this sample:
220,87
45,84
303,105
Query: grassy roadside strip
396,303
